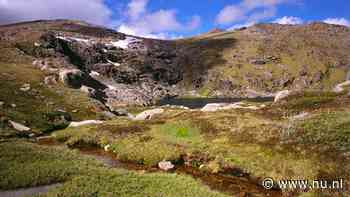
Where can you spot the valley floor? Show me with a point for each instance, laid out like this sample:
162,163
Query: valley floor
220,153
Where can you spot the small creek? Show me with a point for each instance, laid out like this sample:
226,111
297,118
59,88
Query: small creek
28,191
195,103
229,184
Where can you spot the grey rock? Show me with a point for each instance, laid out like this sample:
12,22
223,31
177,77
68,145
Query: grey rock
165,165
85,123
72,77
18,126
303,71
108,115
13,105
2,103
147,115
25,87
121,112
342,86
257,61
282,95
50,80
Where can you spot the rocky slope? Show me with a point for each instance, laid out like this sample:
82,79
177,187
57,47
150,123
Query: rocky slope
121,70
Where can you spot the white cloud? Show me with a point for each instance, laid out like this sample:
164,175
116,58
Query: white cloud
248,11
229,14
136,8
289,20
140,22
93,11
194,23
338,21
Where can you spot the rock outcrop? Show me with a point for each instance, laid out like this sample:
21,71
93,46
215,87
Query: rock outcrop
146,115
282,95
165,165
18,126
213,107
84,123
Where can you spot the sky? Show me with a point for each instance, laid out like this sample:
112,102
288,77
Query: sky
171,19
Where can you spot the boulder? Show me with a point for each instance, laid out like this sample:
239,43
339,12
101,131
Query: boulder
300,116
107,147
108,115
282,95
50,80
25,87
165,165
84,123
342,86
18,126
121,112
213,107
257,61
2,103
227,106
71,77
146,115
88,90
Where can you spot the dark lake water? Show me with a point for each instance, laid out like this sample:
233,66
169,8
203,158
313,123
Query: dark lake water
195,103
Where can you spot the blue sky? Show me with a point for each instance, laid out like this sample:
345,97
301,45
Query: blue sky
179,18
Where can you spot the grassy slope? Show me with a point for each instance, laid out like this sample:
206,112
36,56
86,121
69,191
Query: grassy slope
16,69
266,143
226,55
84,176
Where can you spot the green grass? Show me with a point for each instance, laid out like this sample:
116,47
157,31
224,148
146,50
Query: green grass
181,132
25,164
32,107
123,183
327,129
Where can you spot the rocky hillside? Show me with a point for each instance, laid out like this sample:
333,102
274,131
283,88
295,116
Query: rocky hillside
120,70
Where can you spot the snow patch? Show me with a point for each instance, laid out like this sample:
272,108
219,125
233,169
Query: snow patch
114,63
94,74
111,87
70,39
124,44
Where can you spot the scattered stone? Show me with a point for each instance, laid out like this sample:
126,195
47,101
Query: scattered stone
165,165
18,126
2,103
25,87
212,107
88,90
13,105
121,112
32,135
108,115
300,116
75,111
257,61
342,86
281,95
84,123
107,147
71,77
50,80
146,115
